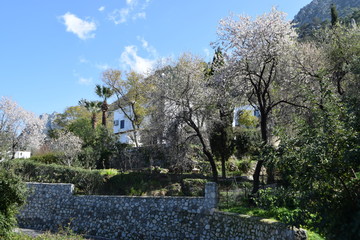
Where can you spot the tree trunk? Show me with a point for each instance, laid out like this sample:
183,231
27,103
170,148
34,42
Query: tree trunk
256,176
212,163
103,118
223,167
93,120
207,153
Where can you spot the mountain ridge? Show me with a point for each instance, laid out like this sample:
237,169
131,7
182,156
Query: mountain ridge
319,10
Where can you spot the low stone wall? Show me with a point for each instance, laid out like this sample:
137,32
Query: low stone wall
122,217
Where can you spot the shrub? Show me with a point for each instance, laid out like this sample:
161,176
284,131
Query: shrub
85,181
193,187
12,192
47,158
136,183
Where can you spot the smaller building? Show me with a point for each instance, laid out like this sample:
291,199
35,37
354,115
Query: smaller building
22,154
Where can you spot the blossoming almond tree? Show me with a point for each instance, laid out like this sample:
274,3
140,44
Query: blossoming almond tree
67,145
19,129
183,89
260,54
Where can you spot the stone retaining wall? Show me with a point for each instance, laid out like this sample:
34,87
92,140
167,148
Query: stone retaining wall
122,217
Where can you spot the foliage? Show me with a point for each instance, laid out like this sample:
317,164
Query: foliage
136,183
246,142
131,97
66,146
109,172
220,126
274,213
260,56
45,236
320,164
193,187
94,107
85,181
247,119
180,89
64,233
47,158
70,114
105,93
13,193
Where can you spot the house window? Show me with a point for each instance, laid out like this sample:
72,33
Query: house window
122,124
116,123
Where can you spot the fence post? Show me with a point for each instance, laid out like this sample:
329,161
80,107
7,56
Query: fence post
211,195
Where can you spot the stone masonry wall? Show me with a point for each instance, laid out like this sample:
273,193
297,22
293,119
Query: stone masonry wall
121,217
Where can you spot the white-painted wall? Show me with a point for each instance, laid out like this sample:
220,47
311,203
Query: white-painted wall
22,154
123,127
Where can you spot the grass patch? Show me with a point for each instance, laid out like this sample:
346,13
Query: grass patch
46,236
274,214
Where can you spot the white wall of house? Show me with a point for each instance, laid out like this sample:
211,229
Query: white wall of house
123,127
22,154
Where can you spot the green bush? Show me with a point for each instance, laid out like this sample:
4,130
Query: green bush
47,158
136,183
12,196
193,187
85,181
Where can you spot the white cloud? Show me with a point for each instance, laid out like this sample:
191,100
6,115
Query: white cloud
82,28
83,59
131,60
131,2
119,15
135,9
85,81
102,66
150,49
140,15
102,8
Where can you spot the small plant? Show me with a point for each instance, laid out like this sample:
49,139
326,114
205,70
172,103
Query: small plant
109,172
12,192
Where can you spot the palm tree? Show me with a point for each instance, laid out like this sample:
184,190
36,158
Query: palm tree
105,93
93,107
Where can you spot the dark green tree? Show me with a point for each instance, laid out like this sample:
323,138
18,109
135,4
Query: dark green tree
221,135
93,107
334,15
321,165
12,197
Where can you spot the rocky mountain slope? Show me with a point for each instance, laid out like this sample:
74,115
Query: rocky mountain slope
319,10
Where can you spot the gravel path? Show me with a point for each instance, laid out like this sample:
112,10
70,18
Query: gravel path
30,232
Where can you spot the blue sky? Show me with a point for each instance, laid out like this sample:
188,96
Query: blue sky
52,53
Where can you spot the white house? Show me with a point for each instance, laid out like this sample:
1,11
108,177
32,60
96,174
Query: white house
123,127
22,154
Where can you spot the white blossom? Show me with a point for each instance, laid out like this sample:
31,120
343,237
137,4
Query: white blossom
19,129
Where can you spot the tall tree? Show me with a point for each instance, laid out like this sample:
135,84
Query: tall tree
260,52
105,93
221,136
131,96
94,107
334,15
183,89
